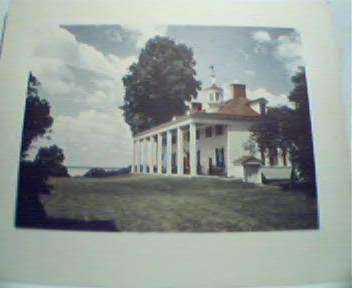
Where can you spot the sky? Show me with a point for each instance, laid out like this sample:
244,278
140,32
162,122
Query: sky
81,67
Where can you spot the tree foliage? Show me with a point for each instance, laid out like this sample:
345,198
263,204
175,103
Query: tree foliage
52,158
272,130
290,130
33,176
158,85
302,153
37,119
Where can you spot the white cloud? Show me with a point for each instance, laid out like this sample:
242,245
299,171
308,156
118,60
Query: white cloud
260,49
97,98
53,73
98,136
261,36
94,138
56,49
289,46
286,48
58,46
289,51
146,31
114,35
91,138
245,54
274,100
249,72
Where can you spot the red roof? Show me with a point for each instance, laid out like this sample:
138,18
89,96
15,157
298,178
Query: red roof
238,107
234,107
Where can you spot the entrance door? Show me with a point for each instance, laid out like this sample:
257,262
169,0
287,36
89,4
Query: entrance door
210,166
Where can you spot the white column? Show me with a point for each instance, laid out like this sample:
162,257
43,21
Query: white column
280,161
168,152
137,155
179,151
134,161
192,149
155,153
142,170
228,162
159,156
150,155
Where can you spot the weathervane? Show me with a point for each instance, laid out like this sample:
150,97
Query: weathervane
213,78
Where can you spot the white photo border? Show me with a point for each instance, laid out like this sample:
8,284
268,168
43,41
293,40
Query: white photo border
182,260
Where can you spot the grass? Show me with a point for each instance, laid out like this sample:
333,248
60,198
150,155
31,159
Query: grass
156,203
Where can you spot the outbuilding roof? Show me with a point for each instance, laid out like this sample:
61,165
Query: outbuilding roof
247,160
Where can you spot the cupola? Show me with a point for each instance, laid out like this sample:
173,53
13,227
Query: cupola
215,94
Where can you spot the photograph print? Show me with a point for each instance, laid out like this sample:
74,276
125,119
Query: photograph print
167,129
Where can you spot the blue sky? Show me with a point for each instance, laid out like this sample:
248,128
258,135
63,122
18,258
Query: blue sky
81,67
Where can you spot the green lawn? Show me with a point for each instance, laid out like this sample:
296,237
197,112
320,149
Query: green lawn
160,203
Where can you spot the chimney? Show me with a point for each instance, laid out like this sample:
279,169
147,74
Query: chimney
238,91
196,106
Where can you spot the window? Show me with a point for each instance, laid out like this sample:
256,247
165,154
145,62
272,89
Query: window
217,96
262,108
208,131
217,157
220,157
173,139
219,130
197,134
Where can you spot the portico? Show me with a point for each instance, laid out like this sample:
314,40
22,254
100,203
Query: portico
196,144
208,142
162,150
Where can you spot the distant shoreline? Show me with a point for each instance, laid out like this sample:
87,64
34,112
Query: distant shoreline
75,171
90,167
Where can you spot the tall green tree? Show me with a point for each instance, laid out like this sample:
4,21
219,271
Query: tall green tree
32,180
159,84
302,152
37,119
290,130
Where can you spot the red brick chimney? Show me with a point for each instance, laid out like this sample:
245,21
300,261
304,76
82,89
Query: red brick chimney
238,91
196,106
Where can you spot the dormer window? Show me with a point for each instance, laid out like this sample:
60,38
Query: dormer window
217,96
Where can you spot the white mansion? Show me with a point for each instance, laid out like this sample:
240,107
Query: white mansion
211,139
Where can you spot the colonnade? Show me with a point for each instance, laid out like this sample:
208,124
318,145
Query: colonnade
149,151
